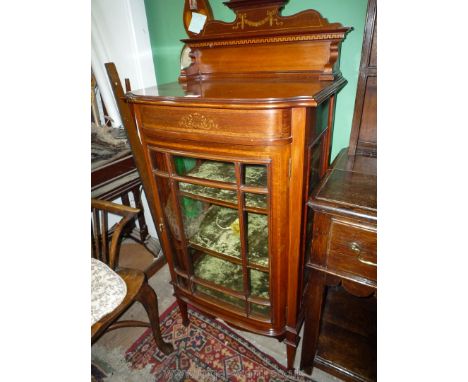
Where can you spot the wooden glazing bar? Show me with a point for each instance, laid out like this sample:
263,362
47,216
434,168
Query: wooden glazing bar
205,182
258,267
218,202
181,273
259,301
226,305
217,287
261,211
243,232
219,255
212,183
223,203
270,239
179,219
231,259
254,190
181,287
160,173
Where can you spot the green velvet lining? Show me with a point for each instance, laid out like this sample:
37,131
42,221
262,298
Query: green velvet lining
218,230
229,275
212,170
209,192
222,296
255,175
259,283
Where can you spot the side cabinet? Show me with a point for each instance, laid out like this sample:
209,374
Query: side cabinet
230,196
229,154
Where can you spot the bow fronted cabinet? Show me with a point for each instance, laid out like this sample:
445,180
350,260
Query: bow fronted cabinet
230,153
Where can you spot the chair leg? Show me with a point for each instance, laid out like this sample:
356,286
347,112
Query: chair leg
148,298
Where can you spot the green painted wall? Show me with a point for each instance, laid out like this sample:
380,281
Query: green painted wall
166,30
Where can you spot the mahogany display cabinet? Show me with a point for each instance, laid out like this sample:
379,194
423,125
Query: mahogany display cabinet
228,156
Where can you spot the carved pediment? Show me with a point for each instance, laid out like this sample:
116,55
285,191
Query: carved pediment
265,16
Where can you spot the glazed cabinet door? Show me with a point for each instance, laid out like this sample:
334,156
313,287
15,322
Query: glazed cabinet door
217,210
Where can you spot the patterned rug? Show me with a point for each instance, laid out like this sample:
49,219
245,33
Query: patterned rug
207,350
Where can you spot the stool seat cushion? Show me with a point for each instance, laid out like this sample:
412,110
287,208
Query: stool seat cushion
108,290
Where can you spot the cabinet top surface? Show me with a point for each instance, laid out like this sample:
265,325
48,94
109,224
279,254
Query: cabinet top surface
263,92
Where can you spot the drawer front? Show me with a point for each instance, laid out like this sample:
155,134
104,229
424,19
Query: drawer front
353,249
217,125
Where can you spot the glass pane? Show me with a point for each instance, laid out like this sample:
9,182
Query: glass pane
260,310
257,238
158,161
259,284
255,200
212,227
209,192
218,271
255,175
205,169
221,296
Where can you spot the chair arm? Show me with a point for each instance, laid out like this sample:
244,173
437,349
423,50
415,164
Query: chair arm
118,209
127,213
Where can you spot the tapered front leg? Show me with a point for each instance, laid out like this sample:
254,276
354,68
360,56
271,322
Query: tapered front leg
147,297
291,355
183,311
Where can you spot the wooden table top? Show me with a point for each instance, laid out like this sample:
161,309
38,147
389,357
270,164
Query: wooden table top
349,187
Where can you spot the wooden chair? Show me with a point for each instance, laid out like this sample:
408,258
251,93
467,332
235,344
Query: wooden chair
136,282
117,177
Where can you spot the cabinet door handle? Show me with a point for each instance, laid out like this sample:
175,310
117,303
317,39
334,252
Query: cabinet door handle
357,249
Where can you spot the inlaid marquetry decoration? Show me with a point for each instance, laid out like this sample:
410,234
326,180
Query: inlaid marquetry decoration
197,121
324,36
267,17
271,19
